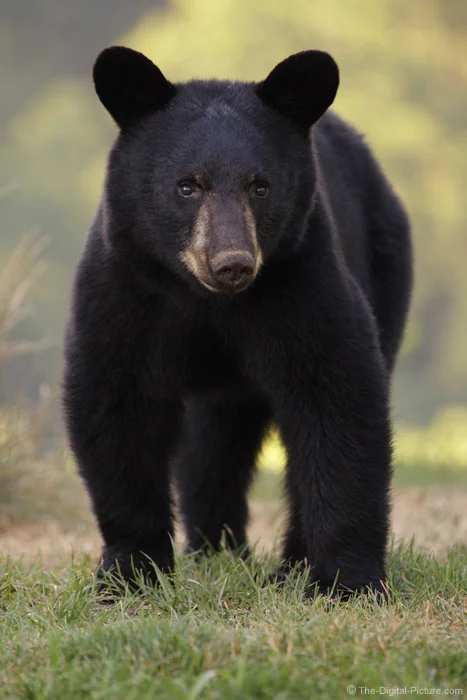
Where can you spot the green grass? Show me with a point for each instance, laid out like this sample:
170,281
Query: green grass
215,631
268,484
418,474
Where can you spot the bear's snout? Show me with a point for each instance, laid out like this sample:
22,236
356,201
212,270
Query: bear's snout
223,252
233,270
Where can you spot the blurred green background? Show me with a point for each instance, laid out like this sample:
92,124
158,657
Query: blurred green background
402,71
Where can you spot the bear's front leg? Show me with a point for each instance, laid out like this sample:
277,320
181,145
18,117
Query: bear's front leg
122,413
122,439
331,400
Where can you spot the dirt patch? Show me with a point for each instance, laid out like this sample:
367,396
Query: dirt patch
49,540
436,518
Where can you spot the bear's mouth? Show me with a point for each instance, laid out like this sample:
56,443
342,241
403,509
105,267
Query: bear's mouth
213,286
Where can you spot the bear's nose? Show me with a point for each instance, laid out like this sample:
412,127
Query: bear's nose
233,270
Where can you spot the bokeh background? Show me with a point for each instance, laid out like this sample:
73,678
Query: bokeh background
403,76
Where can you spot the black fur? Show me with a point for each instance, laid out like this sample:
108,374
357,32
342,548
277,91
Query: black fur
160,371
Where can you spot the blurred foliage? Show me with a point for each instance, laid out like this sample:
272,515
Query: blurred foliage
33,481
402,65
18,276
38,478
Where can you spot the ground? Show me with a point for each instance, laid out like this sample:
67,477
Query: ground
216,631
436,518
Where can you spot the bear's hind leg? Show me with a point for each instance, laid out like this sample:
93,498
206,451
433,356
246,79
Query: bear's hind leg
391,271
214,469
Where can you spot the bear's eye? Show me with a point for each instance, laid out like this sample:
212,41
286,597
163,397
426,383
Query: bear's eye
187,188
259,189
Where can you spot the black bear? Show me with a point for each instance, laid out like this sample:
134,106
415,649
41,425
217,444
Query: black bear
249,265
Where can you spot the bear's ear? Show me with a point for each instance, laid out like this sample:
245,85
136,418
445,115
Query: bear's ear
129,85
302,87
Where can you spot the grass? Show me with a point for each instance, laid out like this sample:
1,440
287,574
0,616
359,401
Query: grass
214,631
432,456
268,483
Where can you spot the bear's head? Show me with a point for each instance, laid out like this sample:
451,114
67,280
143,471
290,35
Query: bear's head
211,179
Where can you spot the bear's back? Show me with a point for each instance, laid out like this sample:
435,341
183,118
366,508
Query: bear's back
367,214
